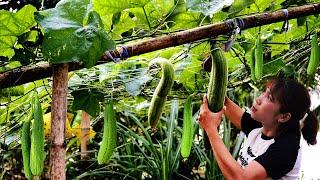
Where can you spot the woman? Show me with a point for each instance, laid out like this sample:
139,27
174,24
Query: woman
273,130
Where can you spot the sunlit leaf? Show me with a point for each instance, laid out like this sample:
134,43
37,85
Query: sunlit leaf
106,8
207,7
12,91
12,25
73,33
272,67
184,20
189,74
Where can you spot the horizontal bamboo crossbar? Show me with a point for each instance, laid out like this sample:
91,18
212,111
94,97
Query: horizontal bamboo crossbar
39,71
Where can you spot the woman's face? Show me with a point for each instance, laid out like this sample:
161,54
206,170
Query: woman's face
265,109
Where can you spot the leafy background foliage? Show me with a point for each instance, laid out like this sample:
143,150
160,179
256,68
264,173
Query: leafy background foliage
73,32
82,30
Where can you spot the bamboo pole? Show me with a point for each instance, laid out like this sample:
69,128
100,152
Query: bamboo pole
58,116
85,130
28,74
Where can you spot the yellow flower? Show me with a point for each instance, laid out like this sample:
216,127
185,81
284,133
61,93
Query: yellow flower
47,125
70,132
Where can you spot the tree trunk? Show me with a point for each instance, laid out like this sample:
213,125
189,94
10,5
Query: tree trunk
85,132
58,120
28,74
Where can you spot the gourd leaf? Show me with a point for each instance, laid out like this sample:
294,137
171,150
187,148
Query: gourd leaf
207,7
13,25
73,32
87,100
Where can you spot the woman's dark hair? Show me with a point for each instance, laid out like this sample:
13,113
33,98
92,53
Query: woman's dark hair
294,98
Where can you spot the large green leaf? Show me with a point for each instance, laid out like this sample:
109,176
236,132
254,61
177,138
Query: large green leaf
107,8
272,67
179,18
207,7
13,25
134,14
110,7
158,10
87,100
125,23
73,32
188,70
184,20
238,6
153,15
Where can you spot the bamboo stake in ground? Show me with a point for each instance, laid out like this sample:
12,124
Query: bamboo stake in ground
58,116
29,74
85,129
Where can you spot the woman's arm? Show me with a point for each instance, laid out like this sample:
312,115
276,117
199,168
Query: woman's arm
228,165
233,112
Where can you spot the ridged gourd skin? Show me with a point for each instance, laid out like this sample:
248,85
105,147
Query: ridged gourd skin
252,63
109,137
187,129
160,94
25,147
314,56
218,79
37,153
258,56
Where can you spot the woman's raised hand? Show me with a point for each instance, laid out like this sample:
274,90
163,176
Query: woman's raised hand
207,119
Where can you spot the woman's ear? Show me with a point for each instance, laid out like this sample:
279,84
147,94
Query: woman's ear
284,117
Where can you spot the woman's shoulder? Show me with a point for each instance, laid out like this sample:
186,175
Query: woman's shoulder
288,139
281,156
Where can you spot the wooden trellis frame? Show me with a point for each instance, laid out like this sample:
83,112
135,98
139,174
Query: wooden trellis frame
39,71
58,122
